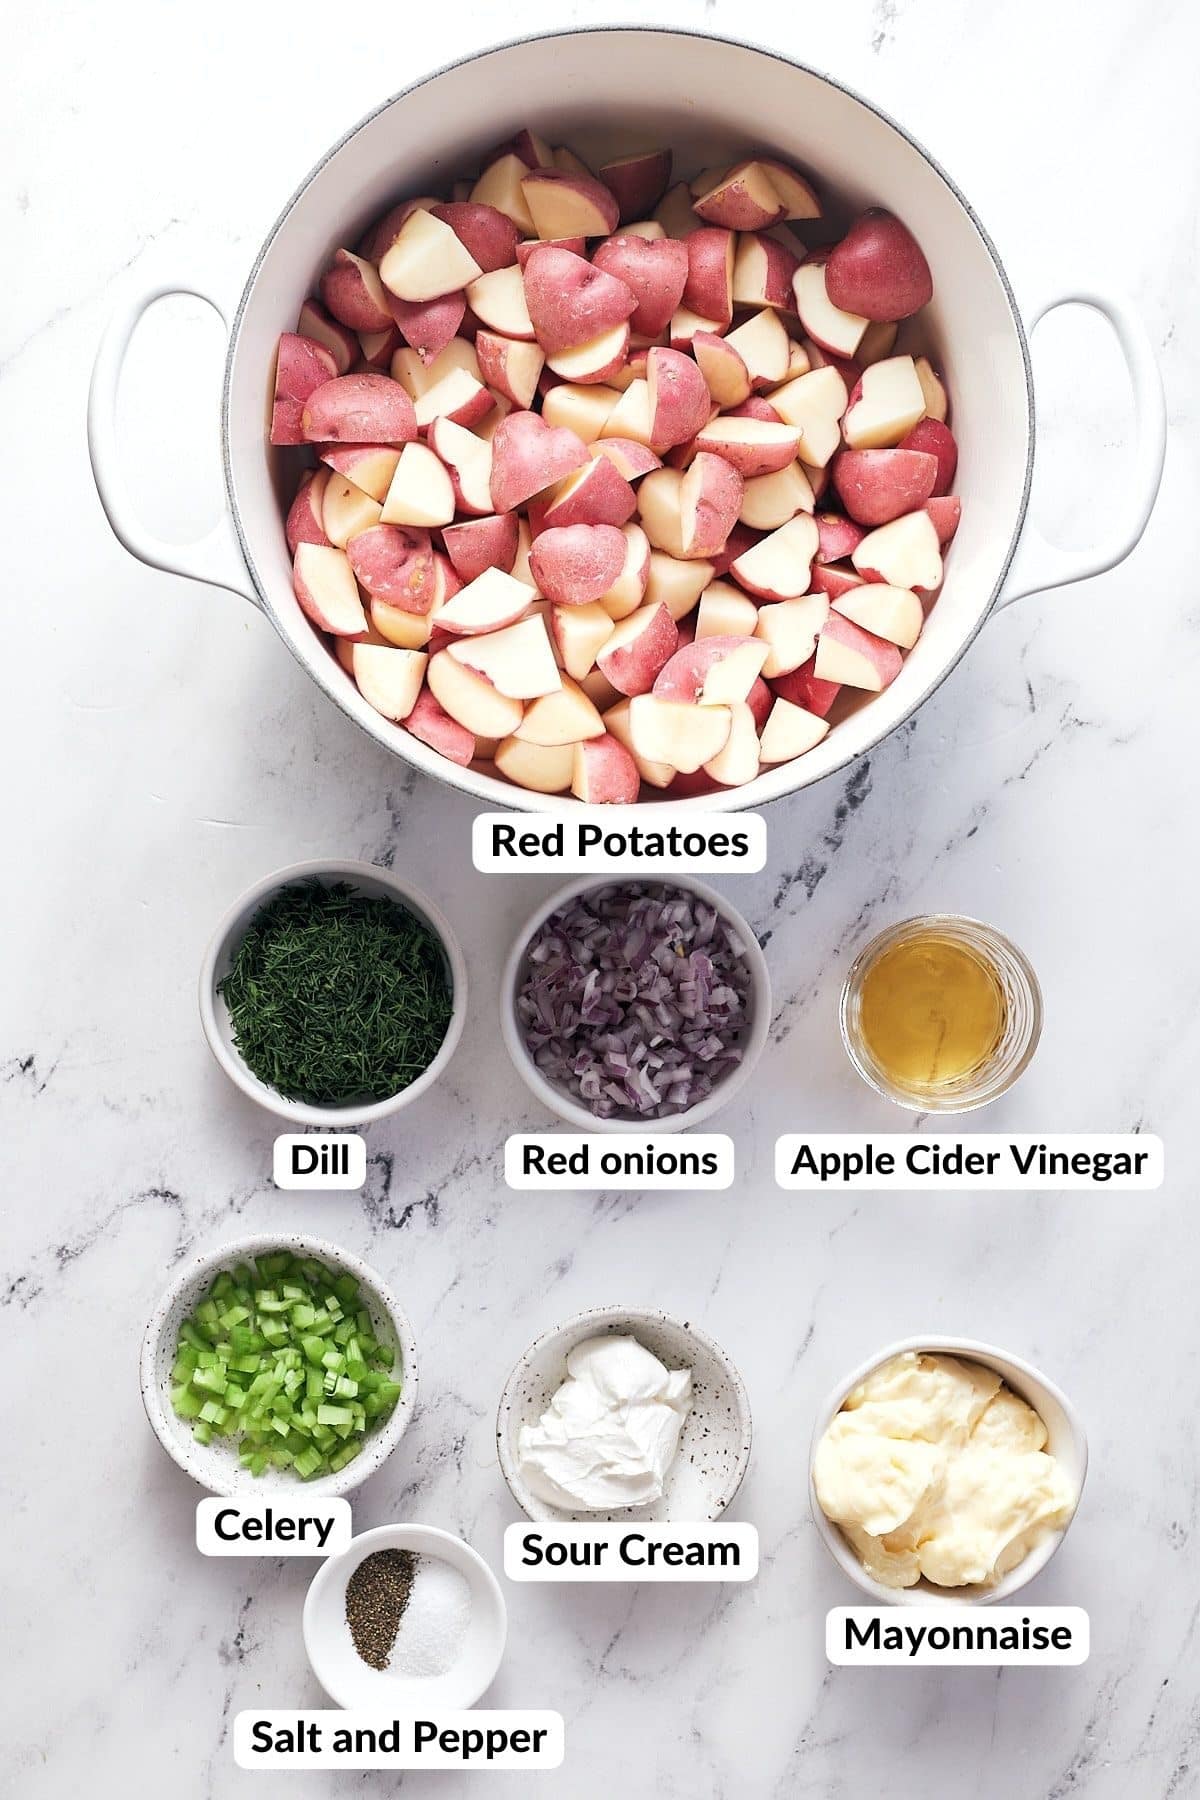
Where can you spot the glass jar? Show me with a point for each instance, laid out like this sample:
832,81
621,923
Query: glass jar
1017,1035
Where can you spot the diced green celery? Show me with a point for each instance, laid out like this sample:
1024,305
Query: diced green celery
334,1415
202,1431
345,1454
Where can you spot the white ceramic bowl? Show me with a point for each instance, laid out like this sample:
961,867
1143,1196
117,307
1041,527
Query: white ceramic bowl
365,878
1066,1441
714,1449
604,90
572,1110
350,1682
215,1466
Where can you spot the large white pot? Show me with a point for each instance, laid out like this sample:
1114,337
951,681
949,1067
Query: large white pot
623,87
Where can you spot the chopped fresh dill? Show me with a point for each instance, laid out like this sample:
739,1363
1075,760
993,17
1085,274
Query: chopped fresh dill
335,997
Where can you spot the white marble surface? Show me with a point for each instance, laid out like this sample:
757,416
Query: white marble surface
163,751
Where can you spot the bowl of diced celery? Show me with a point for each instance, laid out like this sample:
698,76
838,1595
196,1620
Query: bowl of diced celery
275,1361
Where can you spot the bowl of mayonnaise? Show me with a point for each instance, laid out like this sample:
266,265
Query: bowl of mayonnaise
943,1468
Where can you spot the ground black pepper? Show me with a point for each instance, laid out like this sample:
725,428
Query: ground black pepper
376,1596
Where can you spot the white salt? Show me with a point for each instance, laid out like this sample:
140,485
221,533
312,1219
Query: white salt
434,1626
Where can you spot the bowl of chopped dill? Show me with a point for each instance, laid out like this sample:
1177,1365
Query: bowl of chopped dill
333,993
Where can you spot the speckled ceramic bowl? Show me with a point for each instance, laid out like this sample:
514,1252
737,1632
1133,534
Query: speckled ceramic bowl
714,1450
215,1466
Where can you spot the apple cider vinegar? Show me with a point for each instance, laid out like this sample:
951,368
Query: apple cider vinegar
941,1014
932,1010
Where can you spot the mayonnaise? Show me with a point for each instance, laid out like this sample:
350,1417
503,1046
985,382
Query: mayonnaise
934,1469
610,1433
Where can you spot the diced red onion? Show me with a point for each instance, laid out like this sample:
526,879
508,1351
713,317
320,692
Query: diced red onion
635,1000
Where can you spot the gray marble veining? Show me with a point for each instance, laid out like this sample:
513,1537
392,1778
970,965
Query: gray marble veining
163,751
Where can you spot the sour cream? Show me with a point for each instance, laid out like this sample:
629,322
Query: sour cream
610,1433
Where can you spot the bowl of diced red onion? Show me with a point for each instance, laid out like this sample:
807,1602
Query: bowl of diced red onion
635,1005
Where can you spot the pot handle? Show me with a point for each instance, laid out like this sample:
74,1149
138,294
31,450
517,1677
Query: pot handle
216,558
1039,564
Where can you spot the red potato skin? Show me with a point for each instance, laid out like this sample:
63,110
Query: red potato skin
945,510
780,266
446,580
427,326
346,296
488,234
574,564
302,368
683,677
351,408
836,537
526,247
570,300
760,701
719,502
849,371
528,455
877,486
431,725
386,230
609,774
377,348
638,183
741,538
604,201
803,688
755,407
826,578
395,563
655,271
604,498
709,286
303,526
936,440
682,404
633,668
884,657
629,458
693,787
878,270
342,345
474,545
